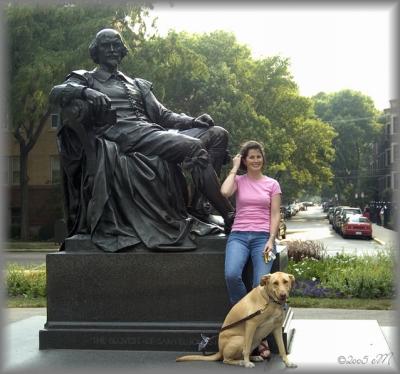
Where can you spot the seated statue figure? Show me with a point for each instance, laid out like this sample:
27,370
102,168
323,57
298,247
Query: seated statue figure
122,154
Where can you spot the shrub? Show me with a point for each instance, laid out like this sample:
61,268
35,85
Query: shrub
365,277
301,249
368,276
26,281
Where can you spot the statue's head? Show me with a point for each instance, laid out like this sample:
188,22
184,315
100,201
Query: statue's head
104,38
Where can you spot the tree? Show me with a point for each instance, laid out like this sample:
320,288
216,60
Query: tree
298,144
252,99
47,42
356,121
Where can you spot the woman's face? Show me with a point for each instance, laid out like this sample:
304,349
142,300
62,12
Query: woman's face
254,160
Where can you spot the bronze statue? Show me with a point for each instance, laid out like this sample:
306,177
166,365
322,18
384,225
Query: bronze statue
129,187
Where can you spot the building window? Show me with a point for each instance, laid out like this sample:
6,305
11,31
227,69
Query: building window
387,129
55,119
388,181
395,180
387,157
395,152
16,216
55,169
10,170
395,124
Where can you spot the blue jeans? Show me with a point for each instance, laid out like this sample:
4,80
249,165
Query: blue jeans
240,246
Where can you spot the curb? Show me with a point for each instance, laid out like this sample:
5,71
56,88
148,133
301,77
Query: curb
31,250
381,242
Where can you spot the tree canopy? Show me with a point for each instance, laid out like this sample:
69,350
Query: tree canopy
252,98
356,120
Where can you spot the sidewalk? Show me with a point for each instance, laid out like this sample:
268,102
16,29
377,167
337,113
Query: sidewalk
321,337
384,236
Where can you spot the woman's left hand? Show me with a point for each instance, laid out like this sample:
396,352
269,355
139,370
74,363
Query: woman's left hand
269,246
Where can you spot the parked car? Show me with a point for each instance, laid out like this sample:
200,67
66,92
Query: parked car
357,225
302,206
282,227
344,213
286,212
293,209
330,214
335,215
326,206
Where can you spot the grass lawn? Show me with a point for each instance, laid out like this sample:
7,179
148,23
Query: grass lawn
25,302
299,302
17,245
311,302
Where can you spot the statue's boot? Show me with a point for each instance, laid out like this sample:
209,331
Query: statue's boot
218,158
200,205
211,188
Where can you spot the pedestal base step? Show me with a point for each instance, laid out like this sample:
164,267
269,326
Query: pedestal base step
141,336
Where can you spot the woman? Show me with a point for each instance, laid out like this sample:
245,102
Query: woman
258,200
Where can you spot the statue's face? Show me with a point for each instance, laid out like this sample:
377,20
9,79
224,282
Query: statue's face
109,49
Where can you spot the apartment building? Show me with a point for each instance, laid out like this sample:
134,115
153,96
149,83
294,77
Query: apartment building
384,165
45,198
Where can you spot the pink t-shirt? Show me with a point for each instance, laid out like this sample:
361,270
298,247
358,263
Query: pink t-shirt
253,203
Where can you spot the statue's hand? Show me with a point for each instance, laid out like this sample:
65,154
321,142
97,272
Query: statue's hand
100,101
203,120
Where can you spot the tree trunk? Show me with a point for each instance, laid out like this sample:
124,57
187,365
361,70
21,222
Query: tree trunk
24,192
25,146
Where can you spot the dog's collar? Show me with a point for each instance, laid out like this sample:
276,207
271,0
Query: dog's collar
283,305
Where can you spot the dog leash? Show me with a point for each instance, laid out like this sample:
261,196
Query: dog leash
206,340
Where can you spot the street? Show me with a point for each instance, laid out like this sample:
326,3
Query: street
312,224
305,225
25,258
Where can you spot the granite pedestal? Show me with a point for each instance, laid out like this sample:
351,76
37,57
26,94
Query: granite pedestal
139,299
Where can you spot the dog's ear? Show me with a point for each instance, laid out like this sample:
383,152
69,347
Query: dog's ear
265,279
292,279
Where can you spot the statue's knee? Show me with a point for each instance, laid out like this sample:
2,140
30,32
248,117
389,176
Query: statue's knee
219,132
196,147
218,137
196,156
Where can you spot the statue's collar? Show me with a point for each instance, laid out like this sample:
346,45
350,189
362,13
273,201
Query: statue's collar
103,75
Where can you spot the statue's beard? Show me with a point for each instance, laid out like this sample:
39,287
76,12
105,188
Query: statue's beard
111,62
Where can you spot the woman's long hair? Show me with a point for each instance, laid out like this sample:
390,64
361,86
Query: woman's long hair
244,151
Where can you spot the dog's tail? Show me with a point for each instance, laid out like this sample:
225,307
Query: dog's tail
215,357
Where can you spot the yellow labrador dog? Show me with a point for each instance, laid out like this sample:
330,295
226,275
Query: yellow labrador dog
237,342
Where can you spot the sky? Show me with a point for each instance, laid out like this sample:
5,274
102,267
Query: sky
330,48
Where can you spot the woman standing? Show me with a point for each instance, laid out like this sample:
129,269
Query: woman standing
258,200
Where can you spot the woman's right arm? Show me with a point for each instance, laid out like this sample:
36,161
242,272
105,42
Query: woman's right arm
228,188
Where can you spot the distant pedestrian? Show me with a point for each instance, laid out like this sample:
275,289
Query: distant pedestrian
367,212
382,215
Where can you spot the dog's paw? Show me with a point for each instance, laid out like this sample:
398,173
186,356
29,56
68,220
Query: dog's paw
256,358
290,365
246,364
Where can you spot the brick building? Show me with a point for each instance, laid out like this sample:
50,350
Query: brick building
45,199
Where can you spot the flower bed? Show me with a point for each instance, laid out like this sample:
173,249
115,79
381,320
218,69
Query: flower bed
344,275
